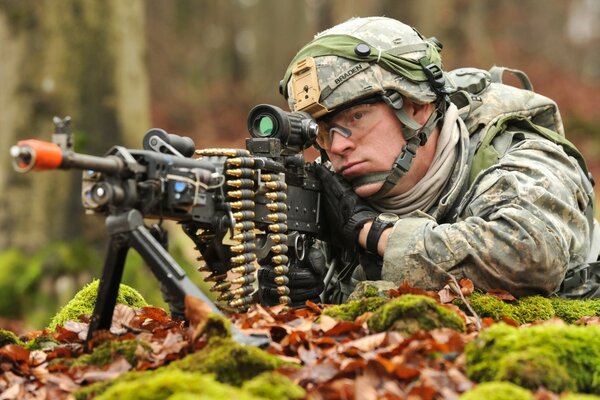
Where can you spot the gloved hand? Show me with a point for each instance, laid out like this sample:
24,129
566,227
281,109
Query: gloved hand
345,211
305,280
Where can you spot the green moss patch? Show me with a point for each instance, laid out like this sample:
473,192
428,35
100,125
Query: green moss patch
579,396
172,383
410,313
85,300
524,310
8,337
533,308
371,289
497,391
220,364
229,361
216,326
353,309
273,386
571,310
42,342
106,352
559,358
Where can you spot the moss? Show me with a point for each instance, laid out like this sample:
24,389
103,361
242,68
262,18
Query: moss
410,313
351,310
579,396
95,389
165,383
559,358
105,353
524,310
229,361
8,337
371,289
533,308
273,386
42,342
85,300
497,391
217,326
571,310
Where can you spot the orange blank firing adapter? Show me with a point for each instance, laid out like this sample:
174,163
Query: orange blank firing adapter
35,154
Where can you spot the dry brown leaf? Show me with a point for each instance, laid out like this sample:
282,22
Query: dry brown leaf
466,286
80,328
326,323
406,288
501,295
14,353
122,317
588,321
117,368
364,387
447,295
365,343
196,310
13,392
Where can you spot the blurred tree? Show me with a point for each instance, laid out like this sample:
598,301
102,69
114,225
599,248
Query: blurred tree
83,58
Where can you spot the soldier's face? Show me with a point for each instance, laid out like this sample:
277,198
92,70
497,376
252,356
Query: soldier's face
368,138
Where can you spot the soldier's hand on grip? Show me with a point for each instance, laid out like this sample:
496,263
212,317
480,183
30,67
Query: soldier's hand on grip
345,211
305,280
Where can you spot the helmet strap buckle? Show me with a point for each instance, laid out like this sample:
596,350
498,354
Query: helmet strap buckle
434,75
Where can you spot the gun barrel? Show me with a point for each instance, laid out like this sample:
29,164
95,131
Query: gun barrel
39,155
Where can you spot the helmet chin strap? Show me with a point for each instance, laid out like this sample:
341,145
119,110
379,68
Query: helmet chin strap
415,135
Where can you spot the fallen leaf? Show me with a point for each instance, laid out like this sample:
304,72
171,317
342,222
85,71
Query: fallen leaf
122,317
466,286
11,393
326,323
14,353
196,310
365,343
501,295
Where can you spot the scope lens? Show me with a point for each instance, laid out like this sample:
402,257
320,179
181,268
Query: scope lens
266,125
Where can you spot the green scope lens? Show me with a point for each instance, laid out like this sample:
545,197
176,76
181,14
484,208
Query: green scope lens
266,125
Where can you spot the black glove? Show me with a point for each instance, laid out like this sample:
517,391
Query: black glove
345,211
305,280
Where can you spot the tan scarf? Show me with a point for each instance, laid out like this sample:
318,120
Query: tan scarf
428,190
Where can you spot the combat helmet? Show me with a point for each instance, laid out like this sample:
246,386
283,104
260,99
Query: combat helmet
366,58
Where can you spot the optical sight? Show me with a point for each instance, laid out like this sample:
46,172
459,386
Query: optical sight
295,130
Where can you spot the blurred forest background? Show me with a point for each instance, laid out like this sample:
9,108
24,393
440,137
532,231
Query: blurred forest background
196,67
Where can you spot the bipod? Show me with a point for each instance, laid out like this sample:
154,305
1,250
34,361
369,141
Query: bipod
127,231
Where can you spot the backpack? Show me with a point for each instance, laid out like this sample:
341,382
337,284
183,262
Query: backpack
488,107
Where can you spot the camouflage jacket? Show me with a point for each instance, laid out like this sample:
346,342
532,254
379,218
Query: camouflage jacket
520,226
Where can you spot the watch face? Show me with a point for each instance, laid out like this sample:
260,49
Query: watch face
388,217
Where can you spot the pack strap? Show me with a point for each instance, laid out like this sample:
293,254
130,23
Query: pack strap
578,276
496,74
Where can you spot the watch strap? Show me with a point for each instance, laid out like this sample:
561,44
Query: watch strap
375,233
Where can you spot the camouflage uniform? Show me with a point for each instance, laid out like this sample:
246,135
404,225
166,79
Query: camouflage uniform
518,227
518,224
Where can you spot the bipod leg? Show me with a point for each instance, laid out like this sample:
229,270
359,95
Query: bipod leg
167,271
108,289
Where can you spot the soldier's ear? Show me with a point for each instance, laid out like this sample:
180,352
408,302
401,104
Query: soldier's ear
419,112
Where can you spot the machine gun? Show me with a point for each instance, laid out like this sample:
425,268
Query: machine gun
241,207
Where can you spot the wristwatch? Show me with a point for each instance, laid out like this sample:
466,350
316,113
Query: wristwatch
382,222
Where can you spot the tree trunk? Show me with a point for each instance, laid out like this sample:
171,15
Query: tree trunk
66,58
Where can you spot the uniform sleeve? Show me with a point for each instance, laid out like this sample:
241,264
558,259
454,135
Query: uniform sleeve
521,225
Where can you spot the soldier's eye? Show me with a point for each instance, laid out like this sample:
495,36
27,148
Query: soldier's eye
358,115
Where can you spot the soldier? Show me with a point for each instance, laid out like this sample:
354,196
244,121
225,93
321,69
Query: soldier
429,175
